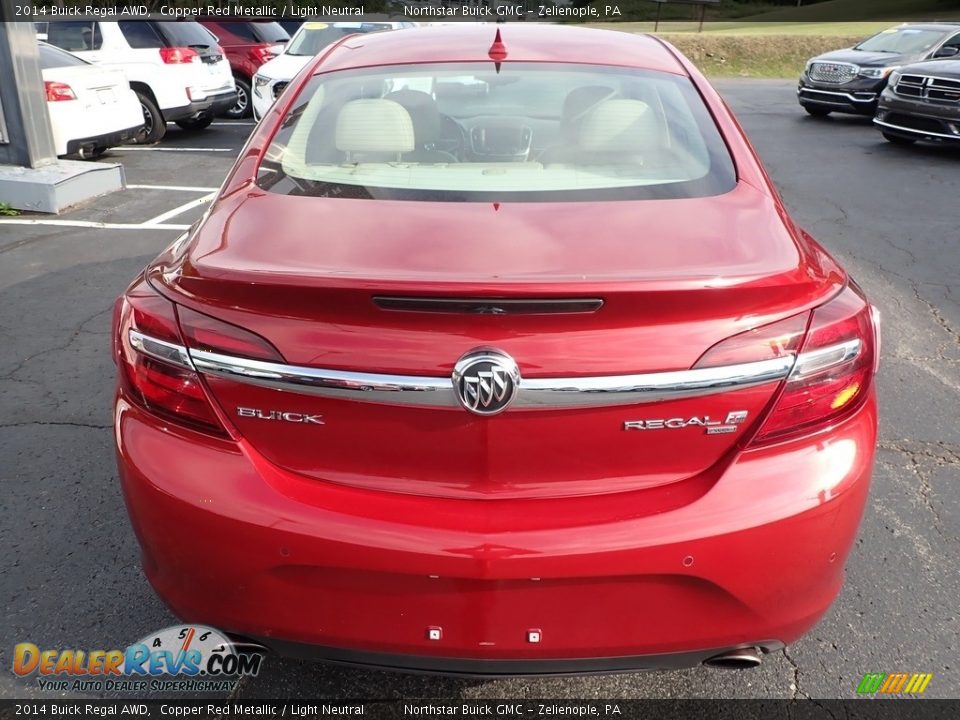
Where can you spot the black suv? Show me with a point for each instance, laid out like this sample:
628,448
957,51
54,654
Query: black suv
851,80
922,102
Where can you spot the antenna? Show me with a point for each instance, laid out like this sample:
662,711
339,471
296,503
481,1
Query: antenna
497,51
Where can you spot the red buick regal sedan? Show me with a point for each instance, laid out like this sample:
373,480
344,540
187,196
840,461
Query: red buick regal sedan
498,353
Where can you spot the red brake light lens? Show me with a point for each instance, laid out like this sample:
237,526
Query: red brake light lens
153,373
203,332
835,361
178,55
833,372
58,91
767,342
261,54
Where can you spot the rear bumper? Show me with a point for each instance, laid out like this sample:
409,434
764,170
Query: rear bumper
487,668
917,120
110,139
858,97
319,570
211,105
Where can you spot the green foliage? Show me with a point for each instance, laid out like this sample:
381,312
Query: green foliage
6,210
847,10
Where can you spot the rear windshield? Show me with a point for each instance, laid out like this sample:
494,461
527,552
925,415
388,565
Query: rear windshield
52,57
901,41
270,32
75,36
186,34
523,132
314,37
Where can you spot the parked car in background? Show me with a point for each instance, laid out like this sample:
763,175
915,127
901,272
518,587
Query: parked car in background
308,41
921,102
851,80
177,70
291,26
248,45
91,108
408,403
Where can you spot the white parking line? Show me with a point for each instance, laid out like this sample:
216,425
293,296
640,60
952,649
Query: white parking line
183,188
130,148
91,224
179,210
230,124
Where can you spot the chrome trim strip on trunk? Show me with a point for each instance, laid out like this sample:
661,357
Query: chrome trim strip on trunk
533,392
814,361
161,349
367,387
648,387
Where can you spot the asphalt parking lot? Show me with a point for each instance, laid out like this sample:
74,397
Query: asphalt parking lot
71,576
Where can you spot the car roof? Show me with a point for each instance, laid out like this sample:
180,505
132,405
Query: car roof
524,43
943,26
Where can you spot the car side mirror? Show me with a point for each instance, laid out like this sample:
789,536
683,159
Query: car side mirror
276,49
947,52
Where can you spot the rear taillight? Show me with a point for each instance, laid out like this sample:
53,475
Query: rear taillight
178,55
208,334
155,369
767,342
834,370
261,54
836,358
58,91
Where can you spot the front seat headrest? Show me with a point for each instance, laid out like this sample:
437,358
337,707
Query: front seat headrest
619,126
427,122
577,104
374,126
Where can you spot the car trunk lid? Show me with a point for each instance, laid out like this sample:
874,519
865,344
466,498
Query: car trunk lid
93,86
573,293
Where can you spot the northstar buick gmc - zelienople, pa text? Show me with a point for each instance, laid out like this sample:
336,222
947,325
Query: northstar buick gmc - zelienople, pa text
498,353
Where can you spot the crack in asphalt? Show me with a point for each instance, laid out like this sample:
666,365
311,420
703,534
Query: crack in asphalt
795,684
233,694
74,332
56,423
798,691
938,454
937,315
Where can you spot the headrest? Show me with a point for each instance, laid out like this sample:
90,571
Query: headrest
374,125
427,122
578,103
621,126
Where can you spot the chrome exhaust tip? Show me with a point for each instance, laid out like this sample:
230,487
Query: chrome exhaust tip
739,659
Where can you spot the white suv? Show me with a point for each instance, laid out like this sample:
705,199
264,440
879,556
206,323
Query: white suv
306,43
177,69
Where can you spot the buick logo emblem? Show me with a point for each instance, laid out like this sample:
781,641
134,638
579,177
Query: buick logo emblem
486,381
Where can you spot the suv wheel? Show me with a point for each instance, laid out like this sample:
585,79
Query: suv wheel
817,110
197,123
154,126
243,106
897,139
